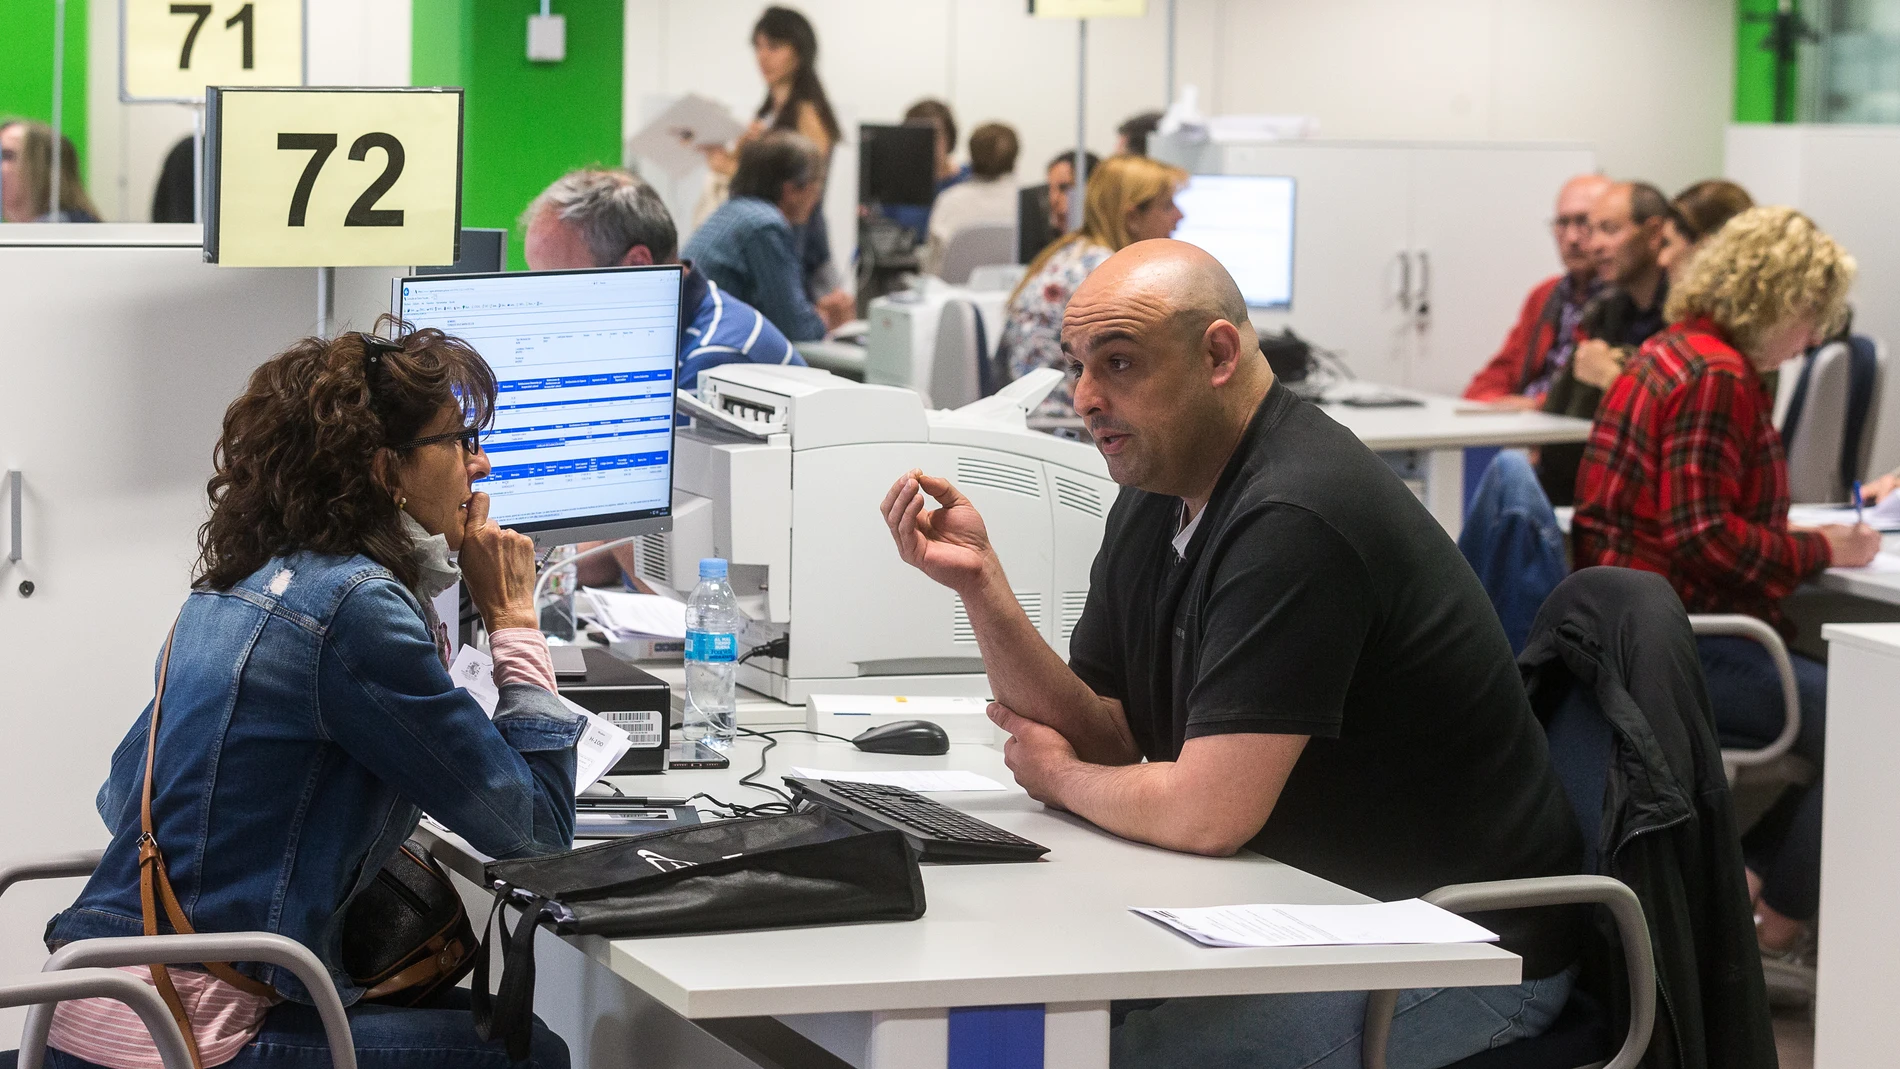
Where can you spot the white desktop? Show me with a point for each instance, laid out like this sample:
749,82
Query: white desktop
582,443
782,474
1245,222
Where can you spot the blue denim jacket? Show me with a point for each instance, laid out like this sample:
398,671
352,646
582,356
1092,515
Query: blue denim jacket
307,721
1512,541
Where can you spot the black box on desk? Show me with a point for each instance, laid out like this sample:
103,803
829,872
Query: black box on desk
631,700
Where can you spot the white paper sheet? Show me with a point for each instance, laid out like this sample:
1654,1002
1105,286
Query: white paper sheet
1883,563
672,140
631,615
1410,921
474,671
929,781
1882,517
600,746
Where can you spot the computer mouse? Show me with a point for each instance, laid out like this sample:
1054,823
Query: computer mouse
905,737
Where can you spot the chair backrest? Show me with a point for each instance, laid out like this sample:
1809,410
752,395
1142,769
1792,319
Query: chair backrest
974,246
995,278
959,372
1833,417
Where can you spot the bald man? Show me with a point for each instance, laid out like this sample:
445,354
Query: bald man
1540,345
1281,651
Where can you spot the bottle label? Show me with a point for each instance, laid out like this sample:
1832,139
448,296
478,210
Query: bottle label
714,646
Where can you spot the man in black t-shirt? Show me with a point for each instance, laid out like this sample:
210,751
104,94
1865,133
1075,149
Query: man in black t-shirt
1281,650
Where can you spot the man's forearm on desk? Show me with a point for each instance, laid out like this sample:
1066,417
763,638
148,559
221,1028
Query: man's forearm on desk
1028,677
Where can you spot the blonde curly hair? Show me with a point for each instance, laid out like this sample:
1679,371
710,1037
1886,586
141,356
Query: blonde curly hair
1764,268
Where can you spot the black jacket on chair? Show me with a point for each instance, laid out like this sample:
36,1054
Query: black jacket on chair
1618,640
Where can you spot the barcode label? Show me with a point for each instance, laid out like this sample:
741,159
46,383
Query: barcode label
641,725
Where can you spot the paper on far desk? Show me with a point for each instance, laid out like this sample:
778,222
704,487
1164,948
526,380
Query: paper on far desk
931,781
1883,564
674,137
628,614
1410,921
600,746
1884,516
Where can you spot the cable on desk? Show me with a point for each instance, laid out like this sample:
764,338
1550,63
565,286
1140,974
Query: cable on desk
771,741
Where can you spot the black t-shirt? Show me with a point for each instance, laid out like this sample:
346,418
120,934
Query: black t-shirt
1318,597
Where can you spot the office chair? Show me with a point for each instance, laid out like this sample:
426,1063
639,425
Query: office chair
1833,418
960,366
976,246
87,957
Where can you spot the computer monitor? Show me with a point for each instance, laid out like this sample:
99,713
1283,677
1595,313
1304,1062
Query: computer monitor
481,249
582,444
1245,222
897,164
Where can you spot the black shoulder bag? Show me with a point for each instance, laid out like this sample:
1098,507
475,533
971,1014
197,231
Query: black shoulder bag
785,871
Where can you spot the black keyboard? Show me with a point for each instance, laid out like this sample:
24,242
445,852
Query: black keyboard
939,832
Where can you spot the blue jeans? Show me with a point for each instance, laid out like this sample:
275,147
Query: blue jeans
1784,847
1433,1027
440,1035
1512,541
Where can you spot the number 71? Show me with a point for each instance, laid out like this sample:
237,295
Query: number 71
245,17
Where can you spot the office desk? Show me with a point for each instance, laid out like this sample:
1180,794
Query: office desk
1427,441
1055,933
1865,582
1858,976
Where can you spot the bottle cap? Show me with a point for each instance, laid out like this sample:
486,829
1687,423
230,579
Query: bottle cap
712,568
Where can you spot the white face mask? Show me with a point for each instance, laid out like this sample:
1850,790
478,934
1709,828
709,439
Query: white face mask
435,571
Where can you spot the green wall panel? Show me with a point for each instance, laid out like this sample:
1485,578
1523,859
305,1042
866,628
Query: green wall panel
1754,64
26,65
525,123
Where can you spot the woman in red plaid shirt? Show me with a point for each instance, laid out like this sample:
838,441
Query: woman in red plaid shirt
1684,475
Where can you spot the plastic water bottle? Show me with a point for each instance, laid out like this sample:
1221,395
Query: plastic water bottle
712,651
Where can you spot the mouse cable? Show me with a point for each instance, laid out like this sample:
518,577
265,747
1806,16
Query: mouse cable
771,740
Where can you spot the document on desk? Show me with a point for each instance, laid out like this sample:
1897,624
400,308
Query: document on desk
928,781
1882,517
600,746
1882,564
630,615
1410,921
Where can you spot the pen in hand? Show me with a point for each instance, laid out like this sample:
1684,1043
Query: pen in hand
1859,518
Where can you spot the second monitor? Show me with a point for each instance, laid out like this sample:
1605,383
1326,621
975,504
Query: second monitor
1245,222
584,362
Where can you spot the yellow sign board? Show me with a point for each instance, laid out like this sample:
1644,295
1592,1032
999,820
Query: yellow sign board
333,177
1088,9
173,51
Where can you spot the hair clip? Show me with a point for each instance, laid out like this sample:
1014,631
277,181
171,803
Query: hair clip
374,349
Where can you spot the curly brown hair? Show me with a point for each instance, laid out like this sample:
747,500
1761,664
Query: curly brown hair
295,466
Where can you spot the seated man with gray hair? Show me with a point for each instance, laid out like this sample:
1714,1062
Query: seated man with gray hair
596,217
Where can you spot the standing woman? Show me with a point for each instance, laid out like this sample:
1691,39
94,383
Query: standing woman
786,48
1129,199
308,713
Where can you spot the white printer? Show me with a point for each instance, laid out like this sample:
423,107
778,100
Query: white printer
783,473
931,337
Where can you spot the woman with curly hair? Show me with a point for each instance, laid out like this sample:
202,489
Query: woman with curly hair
308,714
1684,475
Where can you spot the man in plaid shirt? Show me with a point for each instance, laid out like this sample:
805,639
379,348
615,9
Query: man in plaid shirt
1684,475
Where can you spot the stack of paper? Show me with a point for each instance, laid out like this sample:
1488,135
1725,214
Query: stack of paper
630,616
1410,921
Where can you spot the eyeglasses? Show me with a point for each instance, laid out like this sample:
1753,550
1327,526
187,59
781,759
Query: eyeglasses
470,437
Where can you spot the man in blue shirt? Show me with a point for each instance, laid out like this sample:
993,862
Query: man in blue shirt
611,218
749,246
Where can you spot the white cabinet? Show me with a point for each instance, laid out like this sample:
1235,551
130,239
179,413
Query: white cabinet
121,350
1410,259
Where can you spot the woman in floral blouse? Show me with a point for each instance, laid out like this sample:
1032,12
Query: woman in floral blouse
1129,199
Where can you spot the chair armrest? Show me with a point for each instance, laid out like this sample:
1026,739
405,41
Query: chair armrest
1631,928
51,867
1748,627
187,949
41,990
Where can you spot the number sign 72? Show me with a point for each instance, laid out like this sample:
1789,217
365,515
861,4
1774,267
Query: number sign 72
364,211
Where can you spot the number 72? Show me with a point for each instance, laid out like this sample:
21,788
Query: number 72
364,211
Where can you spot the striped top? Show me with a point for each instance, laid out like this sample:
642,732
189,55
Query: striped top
224,1018
722,329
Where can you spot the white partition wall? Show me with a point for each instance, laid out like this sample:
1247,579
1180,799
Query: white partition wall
1844,177
1411,259
117,360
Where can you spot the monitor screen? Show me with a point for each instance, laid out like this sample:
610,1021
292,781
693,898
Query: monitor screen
582,444
897,164
1245,222
482,249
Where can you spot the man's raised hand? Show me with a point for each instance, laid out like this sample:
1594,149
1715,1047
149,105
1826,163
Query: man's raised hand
949,543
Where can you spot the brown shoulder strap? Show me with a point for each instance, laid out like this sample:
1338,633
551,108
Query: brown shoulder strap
155,886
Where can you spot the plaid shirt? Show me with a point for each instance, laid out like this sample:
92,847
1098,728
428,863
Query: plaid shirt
1684,476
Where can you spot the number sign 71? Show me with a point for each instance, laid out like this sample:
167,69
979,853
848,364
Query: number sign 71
171,50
